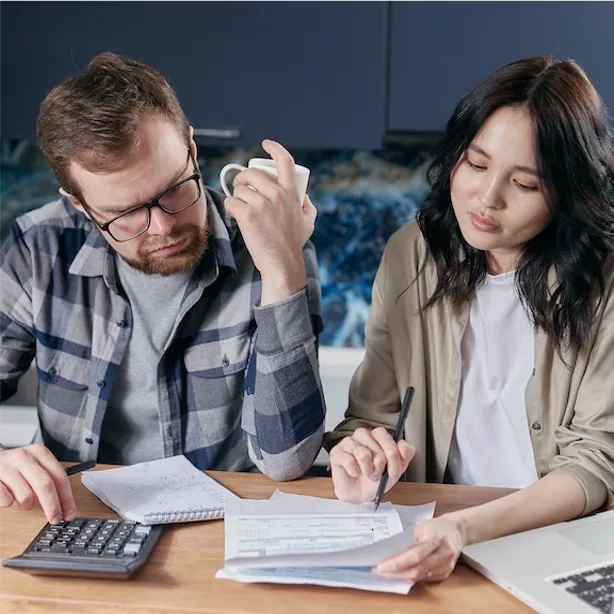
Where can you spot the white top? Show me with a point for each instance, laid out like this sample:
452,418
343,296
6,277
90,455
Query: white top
491,445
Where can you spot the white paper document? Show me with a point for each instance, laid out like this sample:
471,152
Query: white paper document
410,515
293,539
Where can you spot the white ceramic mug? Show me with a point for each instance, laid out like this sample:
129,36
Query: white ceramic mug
270,167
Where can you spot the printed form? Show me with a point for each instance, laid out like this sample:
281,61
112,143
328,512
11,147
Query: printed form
293,539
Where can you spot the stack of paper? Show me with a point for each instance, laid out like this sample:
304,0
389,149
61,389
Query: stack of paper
293,539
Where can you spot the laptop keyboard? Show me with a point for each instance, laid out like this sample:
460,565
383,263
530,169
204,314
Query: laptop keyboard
594,586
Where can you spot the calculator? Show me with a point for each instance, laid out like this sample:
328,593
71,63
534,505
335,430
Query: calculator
92,547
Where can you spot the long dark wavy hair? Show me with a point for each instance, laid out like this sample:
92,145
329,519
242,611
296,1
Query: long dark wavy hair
575,158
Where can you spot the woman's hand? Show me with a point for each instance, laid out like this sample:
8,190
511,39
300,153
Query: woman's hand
357,463
432,557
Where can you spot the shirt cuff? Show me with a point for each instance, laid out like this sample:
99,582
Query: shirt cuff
596,491
283,325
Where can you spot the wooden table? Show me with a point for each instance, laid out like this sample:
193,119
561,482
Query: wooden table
179,576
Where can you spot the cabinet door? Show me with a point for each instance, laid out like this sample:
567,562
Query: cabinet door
311,74
440,50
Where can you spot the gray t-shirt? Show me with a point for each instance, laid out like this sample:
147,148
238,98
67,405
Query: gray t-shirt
131,427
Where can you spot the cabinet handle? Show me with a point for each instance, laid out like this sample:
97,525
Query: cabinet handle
229,133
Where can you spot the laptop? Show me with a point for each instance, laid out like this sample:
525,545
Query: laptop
566,568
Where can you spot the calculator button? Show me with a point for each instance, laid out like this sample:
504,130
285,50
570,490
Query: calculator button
94,549
132,549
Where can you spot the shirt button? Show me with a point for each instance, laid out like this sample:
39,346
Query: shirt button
225,361
52,372
89,440
536,426
122,323
101,383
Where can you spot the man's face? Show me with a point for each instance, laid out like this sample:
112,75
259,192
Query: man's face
173,243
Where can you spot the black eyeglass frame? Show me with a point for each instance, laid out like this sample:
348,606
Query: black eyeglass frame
104,226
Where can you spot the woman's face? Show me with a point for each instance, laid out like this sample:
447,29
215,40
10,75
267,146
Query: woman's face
496,192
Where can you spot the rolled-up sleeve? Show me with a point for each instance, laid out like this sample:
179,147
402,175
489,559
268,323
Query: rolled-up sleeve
586,444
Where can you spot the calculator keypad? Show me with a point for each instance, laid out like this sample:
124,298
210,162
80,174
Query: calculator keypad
91,537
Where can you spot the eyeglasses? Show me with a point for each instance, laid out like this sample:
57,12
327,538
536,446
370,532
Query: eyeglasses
135,222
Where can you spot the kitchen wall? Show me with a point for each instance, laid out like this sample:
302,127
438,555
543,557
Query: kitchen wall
362,197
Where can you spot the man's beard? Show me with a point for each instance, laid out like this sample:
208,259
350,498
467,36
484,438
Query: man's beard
152,263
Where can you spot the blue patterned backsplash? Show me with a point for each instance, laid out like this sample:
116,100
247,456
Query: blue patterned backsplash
362,197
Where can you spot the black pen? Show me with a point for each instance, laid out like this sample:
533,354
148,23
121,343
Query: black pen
409,395
80,467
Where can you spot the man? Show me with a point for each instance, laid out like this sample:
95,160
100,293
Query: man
163,320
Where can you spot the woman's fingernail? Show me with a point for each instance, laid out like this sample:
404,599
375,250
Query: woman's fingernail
71,514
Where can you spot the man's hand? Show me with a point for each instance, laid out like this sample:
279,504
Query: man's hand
274,224
31,473
357,463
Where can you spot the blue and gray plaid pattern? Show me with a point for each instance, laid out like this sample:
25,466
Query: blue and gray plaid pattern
239,385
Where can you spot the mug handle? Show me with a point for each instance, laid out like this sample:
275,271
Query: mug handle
229,167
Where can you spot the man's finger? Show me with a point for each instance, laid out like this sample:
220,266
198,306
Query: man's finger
258,181
6,496
250,198
62,483
236,209
285,163
44,488
16,488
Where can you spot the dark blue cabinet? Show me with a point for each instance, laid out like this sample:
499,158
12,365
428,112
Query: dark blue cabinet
440,50
311,74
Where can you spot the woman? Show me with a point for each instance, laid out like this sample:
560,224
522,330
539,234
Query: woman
497,305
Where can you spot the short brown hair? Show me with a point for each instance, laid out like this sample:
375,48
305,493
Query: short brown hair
93,118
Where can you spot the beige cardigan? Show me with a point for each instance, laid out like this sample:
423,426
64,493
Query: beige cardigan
570,409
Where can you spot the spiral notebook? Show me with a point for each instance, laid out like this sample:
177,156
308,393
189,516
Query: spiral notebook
159,492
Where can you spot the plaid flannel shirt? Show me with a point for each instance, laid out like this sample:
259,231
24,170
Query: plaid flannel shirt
238,386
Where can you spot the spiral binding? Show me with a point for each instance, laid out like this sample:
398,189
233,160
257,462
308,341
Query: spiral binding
184,515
